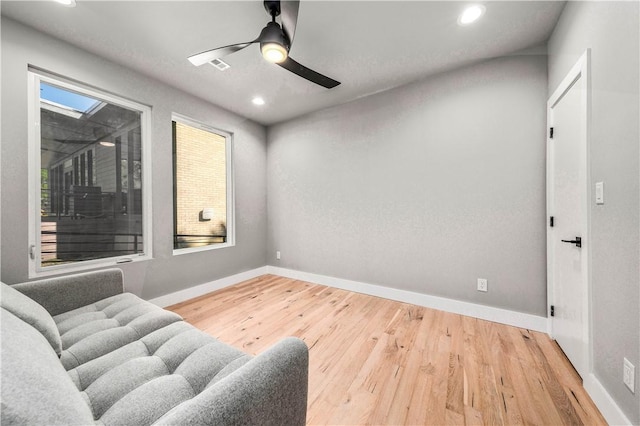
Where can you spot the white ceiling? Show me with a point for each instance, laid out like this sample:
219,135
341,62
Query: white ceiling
369,46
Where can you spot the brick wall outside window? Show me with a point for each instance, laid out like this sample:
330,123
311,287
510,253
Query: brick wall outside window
200,179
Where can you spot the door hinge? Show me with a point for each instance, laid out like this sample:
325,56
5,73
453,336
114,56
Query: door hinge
550,132
551,221
553,311
32,252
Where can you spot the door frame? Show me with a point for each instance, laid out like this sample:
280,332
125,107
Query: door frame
581,70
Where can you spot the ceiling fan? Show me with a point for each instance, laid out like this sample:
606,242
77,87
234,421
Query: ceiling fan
275,43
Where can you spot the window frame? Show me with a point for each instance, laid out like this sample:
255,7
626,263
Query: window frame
230,185
36,270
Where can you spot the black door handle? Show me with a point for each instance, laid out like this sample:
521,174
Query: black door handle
577,241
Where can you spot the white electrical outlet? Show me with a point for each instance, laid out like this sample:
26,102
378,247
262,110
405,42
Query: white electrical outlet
629,375
278,255
482,284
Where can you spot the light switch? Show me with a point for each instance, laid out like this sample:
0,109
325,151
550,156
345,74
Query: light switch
599,192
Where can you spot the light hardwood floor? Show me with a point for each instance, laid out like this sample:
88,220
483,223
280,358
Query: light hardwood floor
379,362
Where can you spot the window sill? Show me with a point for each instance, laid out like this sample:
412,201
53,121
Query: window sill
85,266
180,252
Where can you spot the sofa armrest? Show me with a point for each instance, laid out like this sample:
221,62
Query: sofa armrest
271,389
63,294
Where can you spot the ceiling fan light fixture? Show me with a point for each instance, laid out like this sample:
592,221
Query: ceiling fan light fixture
275,41
274,52
471,14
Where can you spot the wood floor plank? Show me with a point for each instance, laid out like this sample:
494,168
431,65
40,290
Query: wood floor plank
540,399
420,405
495,355
411,367
374,361
513,376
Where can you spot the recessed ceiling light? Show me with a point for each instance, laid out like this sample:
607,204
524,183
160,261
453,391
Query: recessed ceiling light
258,100
471,14
68,3
107,143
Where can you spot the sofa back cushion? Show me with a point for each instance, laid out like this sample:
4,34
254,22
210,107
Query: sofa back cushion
32,313
36,389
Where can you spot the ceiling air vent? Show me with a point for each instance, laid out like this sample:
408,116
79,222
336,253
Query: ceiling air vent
220,65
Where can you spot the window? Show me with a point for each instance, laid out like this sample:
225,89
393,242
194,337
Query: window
90,202
203,190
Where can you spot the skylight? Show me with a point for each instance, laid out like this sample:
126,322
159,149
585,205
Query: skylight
66,99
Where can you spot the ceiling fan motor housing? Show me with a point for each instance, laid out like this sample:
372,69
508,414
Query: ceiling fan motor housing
272,33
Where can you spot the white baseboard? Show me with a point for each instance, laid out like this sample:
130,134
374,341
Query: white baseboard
503,316
605,403
199,290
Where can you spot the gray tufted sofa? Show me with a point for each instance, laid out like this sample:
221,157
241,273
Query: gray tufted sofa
77,350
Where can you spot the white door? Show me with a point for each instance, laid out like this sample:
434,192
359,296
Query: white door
567,205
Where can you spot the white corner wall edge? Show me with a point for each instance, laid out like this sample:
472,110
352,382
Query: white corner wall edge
208,287
503,316
605,403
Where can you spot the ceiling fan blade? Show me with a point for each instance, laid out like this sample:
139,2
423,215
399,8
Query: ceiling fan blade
306,73
209,55
289,17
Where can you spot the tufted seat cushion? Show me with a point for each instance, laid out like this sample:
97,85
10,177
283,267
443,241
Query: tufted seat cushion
133,361
99,328
141,381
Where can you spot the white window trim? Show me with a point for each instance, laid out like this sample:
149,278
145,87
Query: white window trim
34,161
231,193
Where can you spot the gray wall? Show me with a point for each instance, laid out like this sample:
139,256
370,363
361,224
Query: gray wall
165,273
610,29
423,188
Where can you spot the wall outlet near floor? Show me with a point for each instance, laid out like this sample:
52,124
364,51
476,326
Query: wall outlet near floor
278,255
482,284
629,375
